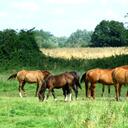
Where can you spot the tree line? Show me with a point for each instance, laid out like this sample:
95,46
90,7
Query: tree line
106,34
80,38
22,48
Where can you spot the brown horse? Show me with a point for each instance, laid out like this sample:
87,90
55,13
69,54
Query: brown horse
25,76
94,76
120,77
66,81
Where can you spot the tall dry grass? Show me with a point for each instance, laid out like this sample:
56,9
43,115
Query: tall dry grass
84,53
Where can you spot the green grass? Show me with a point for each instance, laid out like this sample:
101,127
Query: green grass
28,112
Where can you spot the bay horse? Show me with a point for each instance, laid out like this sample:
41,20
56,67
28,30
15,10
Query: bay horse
120,77
27,76
94,76
66,81
103,76
76,84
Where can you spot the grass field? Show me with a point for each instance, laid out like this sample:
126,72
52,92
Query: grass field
28,112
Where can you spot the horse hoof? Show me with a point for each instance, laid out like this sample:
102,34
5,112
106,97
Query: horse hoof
55,99
65,100
20,95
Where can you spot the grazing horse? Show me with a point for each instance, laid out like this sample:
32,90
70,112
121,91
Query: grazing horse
94,76
120,77
66,81
66,90
25,76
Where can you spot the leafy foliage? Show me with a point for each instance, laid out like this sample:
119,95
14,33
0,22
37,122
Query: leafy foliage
79,39
19,48
45,39
109,33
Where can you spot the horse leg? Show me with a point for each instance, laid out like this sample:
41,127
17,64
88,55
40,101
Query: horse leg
70,96
20,88
69,92
64,93
93,90
41,91
49,91
109,90
87,89
75,88
36,90
103,88
53,94
120,85
117,91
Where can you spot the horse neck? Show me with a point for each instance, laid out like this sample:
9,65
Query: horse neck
48,77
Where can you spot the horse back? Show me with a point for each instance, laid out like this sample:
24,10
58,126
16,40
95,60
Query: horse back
56,81
100,75
106,77
120,75
21,75
29,76
93,75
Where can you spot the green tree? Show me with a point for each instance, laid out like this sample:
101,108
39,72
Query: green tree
45,39
79,39
19,48
109,33
62,41
8,39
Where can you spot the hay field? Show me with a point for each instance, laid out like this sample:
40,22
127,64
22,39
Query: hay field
84,53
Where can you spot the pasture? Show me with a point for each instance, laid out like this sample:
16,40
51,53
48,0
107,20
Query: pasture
28,112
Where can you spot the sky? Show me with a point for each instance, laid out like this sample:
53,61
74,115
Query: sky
60,17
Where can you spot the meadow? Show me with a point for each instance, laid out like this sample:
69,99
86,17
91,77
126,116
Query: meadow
28,112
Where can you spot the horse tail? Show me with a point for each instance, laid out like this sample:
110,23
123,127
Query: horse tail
83,77
127,94
86,87
77,77
78,83
12,76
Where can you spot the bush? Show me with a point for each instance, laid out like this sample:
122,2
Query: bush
19,48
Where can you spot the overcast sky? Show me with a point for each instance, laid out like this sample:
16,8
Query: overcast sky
60,17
